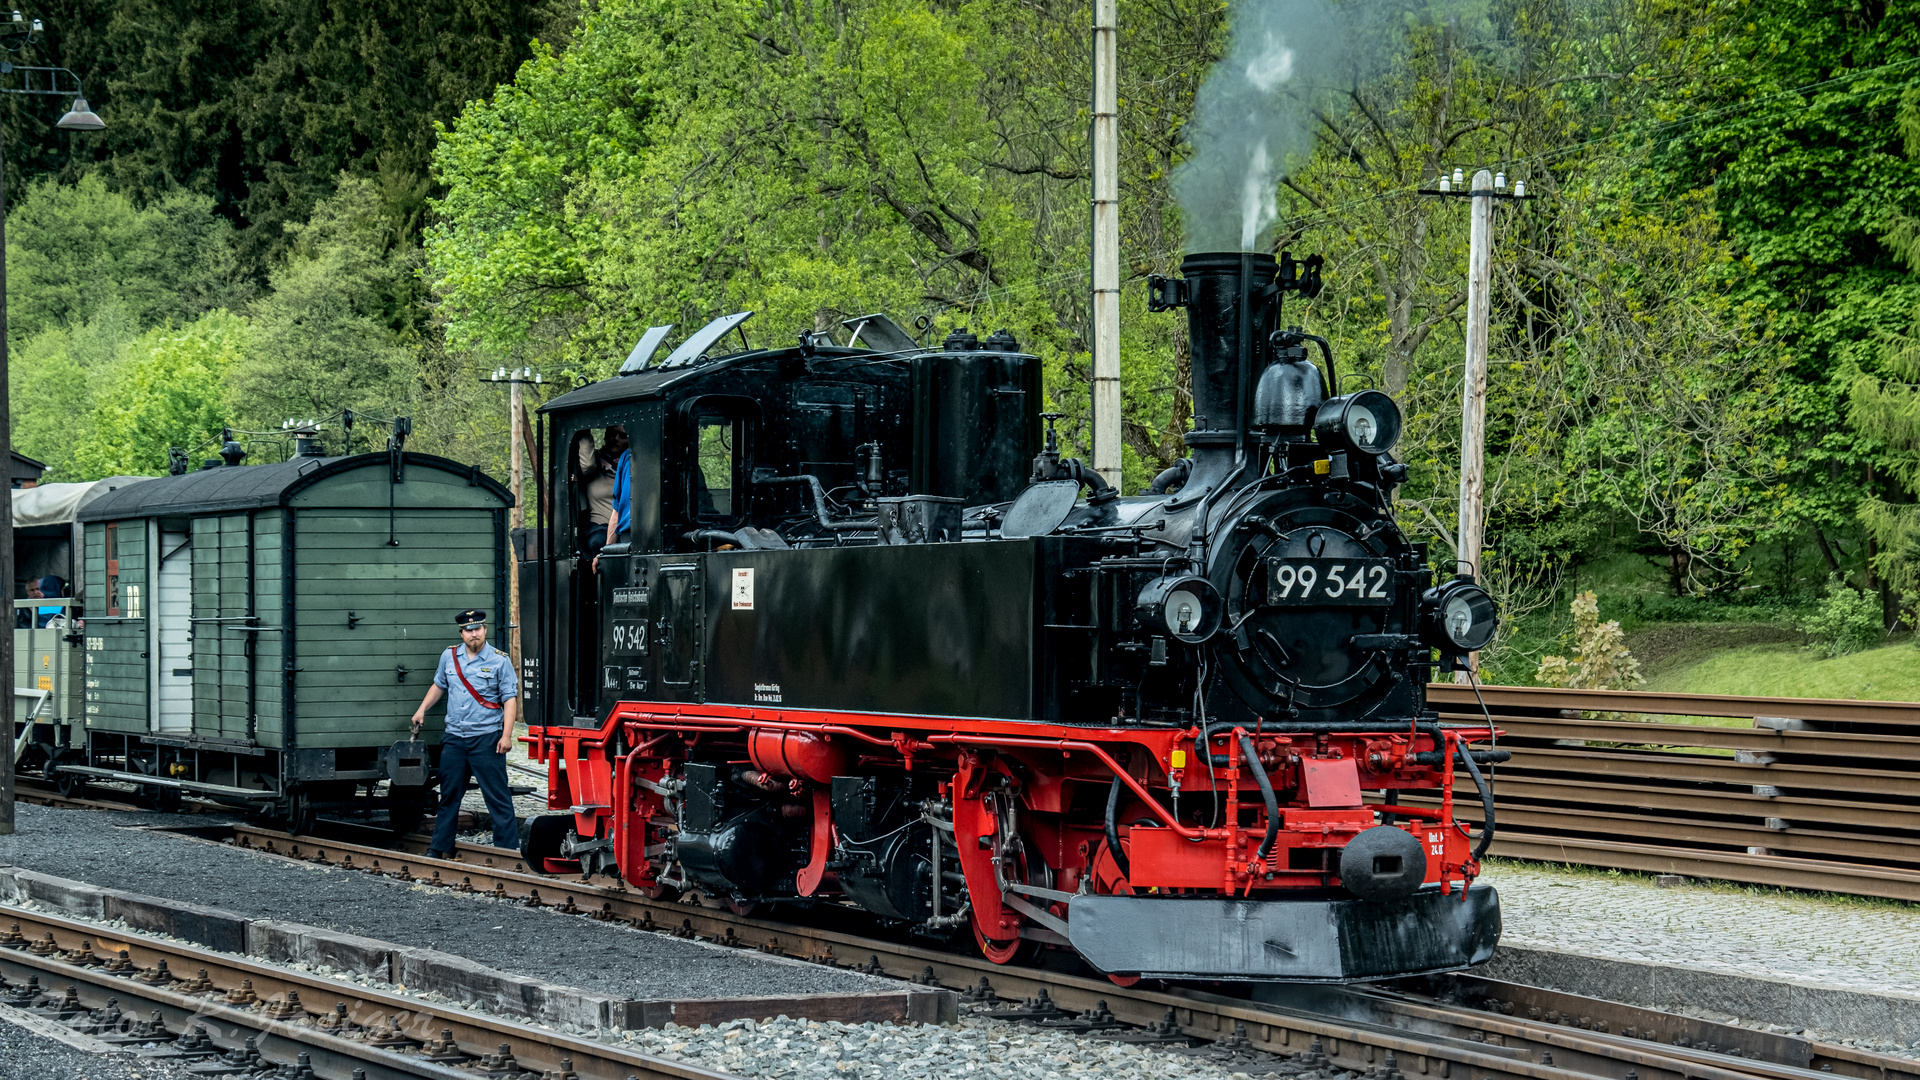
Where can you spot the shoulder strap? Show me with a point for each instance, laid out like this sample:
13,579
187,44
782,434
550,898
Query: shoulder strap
484,703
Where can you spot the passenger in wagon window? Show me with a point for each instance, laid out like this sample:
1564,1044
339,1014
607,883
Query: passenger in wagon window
51,588
23,617
483,701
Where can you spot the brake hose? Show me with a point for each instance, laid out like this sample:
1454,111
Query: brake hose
1113,830
1266,793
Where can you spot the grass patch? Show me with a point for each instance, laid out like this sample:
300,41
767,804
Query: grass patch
1778,669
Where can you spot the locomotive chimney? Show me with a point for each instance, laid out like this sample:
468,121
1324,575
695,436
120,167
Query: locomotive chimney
1231,305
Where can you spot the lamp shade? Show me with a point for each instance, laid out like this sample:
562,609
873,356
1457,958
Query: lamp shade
80,118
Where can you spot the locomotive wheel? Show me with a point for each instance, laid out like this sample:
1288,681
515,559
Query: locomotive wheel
542,840
742,908
1017,951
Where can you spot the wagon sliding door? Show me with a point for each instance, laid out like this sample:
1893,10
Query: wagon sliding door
374,595
221,551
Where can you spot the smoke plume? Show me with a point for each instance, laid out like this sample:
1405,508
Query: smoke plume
1253,118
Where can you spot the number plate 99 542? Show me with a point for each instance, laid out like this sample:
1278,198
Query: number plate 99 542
1327,582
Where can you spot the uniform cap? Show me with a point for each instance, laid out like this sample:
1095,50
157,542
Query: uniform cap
470,617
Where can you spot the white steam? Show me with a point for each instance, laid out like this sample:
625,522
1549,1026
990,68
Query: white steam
1254,117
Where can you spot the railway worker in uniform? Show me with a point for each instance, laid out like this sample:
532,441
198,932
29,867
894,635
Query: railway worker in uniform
483,701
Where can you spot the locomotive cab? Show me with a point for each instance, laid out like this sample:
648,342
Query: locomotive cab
873,640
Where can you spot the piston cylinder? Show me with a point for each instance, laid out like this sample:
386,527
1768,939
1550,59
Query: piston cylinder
800,755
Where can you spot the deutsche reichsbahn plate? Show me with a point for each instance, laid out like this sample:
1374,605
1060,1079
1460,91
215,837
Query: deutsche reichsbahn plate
1326,582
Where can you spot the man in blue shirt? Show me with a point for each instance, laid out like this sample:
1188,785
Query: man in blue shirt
620,521
483,701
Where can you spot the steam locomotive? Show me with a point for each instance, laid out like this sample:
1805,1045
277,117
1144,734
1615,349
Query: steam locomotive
872,640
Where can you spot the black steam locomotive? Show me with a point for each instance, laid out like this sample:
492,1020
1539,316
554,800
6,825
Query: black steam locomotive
872,640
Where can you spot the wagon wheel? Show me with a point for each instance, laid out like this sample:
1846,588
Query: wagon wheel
406,808
163,799
300,812
69,785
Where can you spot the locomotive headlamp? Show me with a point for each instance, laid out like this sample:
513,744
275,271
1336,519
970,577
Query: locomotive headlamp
1458,617
1367,421
1183,606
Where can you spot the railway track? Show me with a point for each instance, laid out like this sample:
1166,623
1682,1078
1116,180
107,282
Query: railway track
205,1005
1453,1028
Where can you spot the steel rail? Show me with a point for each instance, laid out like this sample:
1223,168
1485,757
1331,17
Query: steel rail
1428,1039
281,1008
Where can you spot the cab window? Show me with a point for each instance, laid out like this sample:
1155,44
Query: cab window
714,465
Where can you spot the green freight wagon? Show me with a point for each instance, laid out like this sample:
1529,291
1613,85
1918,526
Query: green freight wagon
261,634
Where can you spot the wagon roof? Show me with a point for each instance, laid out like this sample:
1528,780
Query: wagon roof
244,487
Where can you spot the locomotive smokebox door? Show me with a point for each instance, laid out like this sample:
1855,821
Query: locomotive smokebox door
919,519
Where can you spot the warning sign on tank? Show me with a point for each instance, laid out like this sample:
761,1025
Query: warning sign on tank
743,589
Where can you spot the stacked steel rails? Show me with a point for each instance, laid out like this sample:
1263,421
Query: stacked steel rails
1807,794
1451,1027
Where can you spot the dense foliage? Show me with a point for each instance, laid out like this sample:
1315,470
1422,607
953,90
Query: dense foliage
1702,377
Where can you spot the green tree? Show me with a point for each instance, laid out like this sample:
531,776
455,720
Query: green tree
168,390
260,106
334,329
1883,408
54,377
1794,128
688,157
73,249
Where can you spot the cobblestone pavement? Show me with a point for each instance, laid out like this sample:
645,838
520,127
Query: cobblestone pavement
1762,934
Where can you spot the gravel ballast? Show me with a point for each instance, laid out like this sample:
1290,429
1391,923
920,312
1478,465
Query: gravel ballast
100,848
26,1055
976,1047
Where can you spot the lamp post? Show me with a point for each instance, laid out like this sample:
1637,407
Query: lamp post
16,34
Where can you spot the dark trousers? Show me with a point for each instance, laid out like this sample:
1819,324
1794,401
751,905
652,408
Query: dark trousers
464,755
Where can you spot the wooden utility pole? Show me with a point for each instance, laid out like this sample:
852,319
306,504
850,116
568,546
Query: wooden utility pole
6,531
1106,242
1473,395
517,412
